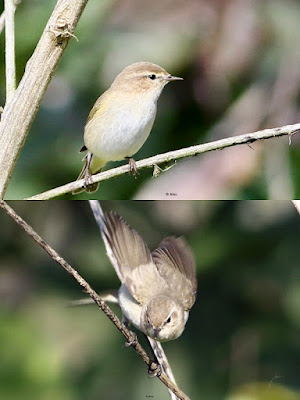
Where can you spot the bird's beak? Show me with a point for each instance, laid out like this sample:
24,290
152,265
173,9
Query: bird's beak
170,78
156,332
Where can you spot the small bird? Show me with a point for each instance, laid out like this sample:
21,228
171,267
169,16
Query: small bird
122,118
157,289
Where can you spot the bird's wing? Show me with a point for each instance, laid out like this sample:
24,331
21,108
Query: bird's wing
129,255
176,264
96,107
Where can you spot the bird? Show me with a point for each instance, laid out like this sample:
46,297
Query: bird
158,289
121,119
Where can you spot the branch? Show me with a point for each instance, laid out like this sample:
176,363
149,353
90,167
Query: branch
131,339
2,21
19,113
10,62
173,155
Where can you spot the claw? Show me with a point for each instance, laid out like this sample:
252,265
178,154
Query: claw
132,166
133,341
154,369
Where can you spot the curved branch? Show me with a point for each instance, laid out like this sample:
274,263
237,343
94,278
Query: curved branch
130,338
174,155
19,113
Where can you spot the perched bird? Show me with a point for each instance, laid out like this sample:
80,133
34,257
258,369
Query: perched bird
122,118
157,289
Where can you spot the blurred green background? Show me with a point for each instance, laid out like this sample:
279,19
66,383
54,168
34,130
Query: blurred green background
240,64
242,338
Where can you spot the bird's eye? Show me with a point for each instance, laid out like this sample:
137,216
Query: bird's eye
168,320
152,76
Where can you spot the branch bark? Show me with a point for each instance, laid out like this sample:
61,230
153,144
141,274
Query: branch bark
19,113
130,338
174,155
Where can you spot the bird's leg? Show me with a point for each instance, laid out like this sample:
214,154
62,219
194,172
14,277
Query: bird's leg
133,341
89,185
87,173
154,368
132,166
87,178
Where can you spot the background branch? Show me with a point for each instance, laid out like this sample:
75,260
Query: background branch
174,155
10,61
2,21
19,113
97,299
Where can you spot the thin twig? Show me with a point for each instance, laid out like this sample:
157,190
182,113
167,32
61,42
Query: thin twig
87,288
10,62
19,113
173,155
297,205
2,21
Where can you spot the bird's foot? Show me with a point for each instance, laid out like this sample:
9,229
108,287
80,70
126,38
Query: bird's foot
154,369
88,180
133,341
89,185
132,166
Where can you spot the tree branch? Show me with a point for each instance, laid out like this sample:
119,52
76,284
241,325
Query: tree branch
2,21
10,62
130,338
19,113
174,155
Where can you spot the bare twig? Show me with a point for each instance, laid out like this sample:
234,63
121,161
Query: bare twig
87,288
19,113
297,205
173,155
108,297
2,21
10,62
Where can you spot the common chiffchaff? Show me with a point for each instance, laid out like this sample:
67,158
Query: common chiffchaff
159,288
122,118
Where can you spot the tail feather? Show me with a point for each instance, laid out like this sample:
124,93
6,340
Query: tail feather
89,185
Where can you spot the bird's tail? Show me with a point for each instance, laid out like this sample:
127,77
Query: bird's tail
85,174
163,362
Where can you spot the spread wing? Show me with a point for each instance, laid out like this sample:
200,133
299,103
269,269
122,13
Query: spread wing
176,265
129,255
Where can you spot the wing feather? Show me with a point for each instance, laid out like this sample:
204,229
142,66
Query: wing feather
176,264
129,255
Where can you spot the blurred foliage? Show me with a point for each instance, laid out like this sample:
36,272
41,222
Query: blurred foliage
240,63
242,337
263,391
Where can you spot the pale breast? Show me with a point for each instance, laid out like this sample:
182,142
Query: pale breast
130,307
121,129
